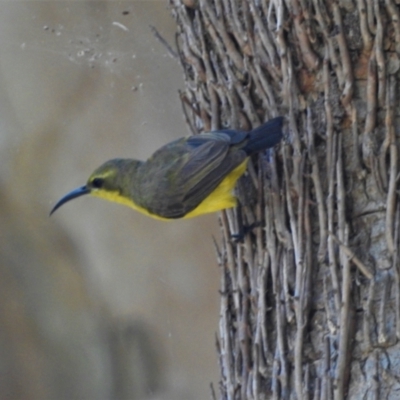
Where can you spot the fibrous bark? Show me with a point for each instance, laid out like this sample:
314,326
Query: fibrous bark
310,301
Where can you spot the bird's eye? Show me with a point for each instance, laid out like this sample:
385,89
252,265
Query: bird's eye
97,183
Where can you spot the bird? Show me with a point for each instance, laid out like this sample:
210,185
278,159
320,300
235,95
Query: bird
185,178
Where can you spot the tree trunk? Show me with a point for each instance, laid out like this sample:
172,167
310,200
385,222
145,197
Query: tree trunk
310,300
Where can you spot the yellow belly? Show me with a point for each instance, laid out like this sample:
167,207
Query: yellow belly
220,199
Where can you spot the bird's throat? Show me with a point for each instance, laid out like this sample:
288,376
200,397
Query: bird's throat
116,197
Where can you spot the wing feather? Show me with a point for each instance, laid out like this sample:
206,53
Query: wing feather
178,181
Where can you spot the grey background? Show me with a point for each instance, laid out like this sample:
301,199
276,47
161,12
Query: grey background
82,83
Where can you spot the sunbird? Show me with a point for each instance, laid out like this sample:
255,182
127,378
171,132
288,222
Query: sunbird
188,177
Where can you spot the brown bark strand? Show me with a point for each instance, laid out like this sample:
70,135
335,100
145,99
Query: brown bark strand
308,294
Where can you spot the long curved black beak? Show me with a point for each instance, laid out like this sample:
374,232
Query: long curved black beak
70,196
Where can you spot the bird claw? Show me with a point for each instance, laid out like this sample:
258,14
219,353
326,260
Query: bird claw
244,230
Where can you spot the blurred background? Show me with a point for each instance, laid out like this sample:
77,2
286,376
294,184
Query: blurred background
97,302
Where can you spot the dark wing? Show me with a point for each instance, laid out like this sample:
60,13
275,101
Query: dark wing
183,173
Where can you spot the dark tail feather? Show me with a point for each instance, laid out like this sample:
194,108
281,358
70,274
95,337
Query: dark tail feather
264,136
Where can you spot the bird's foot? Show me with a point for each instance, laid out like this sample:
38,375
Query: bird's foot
244,230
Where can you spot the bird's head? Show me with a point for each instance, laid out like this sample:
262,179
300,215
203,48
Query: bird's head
110,181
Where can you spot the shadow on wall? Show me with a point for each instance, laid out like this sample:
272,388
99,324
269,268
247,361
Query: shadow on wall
56,342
